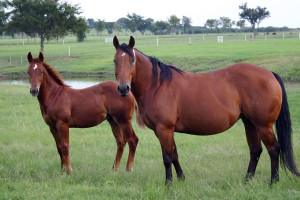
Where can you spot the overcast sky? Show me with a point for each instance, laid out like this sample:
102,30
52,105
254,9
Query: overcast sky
283,12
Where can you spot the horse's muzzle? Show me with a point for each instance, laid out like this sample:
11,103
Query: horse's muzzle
34,91
123,90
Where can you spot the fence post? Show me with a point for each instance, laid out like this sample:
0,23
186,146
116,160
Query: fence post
157,41
282,35
203,37
245,37
9,60
21,60
69,51
190,42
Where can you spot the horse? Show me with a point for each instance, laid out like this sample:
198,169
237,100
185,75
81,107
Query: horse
63,107
171,100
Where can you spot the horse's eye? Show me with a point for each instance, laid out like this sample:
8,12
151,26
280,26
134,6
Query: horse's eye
115,61
28,72
42,72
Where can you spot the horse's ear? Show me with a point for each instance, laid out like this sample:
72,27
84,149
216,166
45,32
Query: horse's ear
131,42
41,57
116,42
29,57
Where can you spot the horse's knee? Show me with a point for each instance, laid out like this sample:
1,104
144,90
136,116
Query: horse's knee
65,149
274,151
255,153
132,142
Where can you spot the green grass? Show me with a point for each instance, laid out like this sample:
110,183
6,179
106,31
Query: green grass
214,166
94,56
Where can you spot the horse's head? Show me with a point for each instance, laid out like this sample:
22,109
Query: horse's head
36,73
124,65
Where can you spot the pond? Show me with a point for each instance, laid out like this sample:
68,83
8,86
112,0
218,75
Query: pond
76,83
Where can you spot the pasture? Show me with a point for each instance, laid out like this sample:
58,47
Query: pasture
215,166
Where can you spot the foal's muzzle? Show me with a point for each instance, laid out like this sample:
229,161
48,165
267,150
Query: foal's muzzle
34,91
123,89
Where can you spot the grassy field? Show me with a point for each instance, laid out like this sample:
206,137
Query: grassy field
94,56
215,166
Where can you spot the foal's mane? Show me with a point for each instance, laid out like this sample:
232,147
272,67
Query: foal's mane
54,75
166,71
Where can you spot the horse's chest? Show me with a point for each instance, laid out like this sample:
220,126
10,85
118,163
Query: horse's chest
47,120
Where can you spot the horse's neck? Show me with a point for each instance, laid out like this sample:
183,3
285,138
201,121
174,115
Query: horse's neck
143,76
48,89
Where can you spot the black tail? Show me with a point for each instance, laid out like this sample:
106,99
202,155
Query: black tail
284,133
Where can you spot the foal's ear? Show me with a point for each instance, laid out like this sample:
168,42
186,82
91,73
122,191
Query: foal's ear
131,42
29,57
116,42
41,57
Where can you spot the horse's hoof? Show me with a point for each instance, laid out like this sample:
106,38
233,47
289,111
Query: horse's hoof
169,182
181,177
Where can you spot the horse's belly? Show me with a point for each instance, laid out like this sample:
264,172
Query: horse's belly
206,125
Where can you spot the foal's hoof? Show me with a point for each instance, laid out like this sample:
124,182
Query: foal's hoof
129,170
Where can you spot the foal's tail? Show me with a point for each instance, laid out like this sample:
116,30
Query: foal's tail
138,116
284,132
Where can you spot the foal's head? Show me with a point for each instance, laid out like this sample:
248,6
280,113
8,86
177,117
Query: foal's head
125,61
36,73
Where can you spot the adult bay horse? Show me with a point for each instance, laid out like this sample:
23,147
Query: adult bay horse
63,107
206,104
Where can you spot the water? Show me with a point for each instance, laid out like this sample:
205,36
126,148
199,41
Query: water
74,83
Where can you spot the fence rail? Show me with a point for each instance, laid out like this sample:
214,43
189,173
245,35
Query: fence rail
71,48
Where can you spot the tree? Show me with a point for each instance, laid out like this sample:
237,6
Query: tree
109,27
186,23
80,29
99,25
91,22
174,23
3,17
134,22
226,23
161,26
241,24
210,23
46,19
253,15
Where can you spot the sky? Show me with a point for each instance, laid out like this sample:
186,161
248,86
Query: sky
283,12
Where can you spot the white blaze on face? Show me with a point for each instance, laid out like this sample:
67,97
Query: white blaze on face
123,54
35,67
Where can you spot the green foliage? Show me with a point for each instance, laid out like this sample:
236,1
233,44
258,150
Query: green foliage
99,25
253,15
45,18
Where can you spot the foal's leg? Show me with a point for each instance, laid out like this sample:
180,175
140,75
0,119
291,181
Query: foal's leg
120,143
132,140
63,132
255,147
269,140
58,143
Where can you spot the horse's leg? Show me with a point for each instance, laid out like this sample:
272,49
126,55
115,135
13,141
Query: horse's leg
120,143
255,147
58,144
63,131
132,140
269,140
176,164
166,139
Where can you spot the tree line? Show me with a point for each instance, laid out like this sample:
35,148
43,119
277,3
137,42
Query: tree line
52,19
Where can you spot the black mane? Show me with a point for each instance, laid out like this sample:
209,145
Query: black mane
165,70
